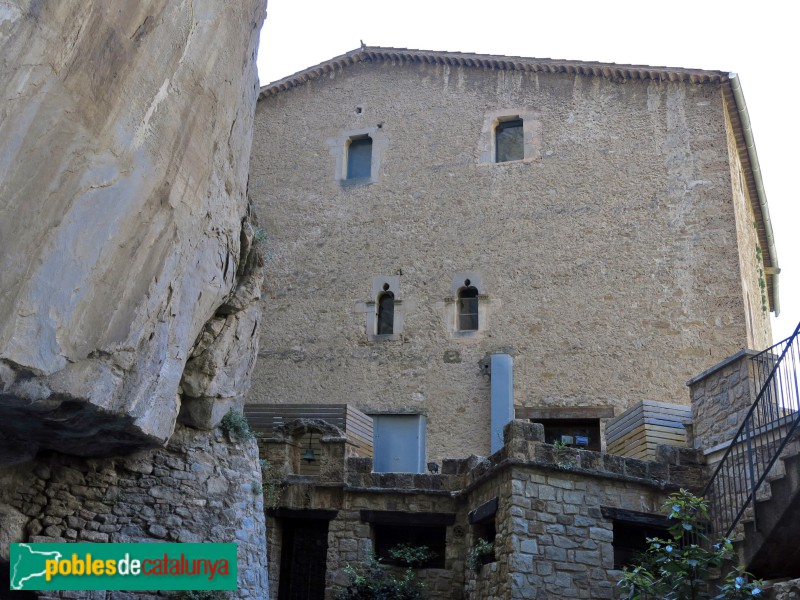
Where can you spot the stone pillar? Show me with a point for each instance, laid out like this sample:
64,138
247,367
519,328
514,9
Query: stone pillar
721,396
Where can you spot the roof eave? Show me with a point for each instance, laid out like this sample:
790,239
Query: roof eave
490,61
756,191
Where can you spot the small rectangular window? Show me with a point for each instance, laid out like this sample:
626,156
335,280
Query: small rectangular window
359,158
388,537
631,530
509,143
579,433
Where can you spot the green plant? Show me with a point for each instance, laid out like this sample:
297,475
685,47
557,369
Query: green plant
477,554
762,283
681,567
373,581
258,489
263,256
411,556
559,451
273,484
236,423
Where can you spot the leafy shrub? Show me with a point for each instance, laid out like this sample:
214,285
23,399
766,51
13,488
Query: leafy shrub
374,581
273,484
680,568
411,556
477,555
236,423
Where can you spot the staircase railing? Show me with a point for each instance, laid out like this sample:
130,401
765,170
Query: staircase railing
762,436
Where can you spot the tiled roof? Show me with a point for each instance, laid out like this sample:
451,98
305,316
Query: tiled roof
489,61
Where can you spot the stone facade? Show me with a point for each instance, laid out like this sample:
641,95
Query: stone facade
552,539
615,260
203,487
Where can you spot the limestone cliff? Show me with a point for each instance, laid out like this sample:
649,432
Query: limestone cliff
125,239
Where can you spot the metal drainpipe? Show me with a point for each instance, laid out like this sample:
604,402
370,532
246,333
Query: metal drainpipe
744,118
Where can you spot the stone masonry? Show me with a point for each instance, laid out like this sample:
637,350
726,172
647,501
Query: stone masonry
552,538
721,396
203,487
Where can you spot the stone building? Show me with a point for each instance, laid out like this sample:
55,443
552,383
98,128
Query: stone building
603,226
458,245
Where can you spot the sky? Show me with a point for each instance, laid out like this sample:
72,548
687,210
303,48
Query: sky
755,40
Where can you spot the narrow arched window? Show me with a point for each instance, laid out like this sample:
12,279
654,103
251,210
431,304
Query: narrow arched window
468,307
386,313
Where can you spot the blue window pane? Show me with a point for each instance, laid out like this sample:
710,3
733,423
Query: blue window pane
359,158
508,141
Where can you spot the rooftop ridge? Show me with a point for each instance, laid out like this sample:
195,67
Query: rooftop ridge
494,61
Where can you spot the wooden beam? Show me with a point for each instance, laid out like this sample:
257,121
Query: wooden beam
636,518
394,517
565,412
484,512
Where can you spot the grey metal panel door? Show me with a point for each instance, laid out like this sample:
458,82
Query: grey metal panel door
399,443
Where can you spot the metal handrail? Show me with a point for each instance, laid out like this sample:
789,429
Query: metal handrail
765,430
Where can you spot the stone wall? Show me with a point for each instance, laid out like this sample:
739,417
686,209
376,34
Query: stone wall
721,396
786,590
202,487
552,539
751,263
608,259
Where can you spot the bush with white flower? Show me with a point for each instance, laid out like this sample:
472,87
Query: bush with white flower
681,568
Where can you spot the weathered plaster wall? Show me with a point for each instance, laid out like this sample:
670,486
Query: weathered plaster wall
125,135
203,487
609,258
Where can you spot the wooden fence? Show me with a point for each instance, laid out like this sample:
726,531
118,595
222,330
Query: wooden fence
638,431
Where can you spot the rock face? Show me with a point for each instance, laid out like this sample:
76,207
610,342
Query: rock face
126,262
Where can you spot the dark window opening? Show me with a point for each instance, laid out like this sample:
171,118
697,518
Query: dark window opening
386,313
468,308
486,531
359,158
631,530
577,433
390,536
509,143
630,540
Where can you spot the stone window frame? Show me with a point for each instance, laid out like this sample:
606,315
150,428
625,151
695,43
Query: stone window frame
370,308
451,305
531,135
338,149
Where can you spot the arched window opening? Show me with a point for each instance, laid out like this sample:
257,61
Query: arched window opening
468,307
386,312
